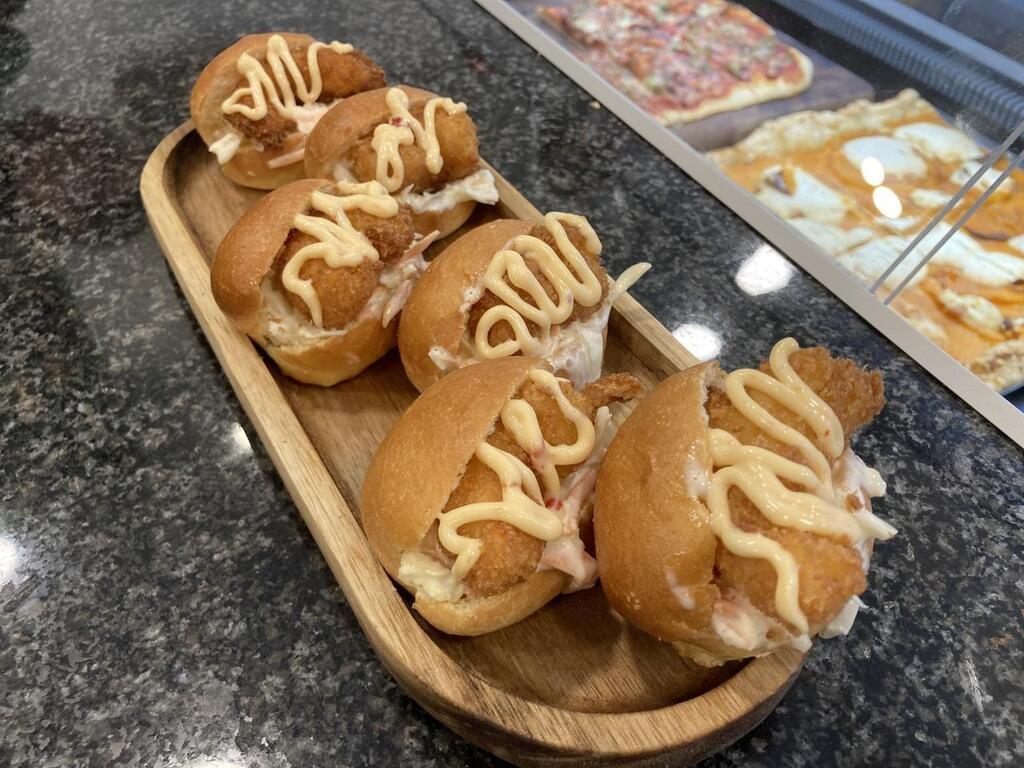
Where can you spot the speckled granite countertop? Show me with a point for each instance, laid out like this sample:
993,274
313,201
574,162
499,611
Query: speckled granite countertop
161,603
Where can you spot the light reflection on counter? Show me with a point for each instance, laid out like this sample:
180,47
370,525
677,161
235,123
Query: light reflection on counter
10,559
700,340
216,762
764,271
240,440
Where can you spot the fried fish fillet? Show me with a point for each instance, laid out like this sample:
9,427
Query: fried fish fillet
457,139
344,291
509,555
503,331
342,75
831,569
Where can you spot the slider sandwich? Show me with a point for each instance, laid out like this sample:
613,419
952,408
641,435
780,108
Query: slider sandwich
256,103
316,272
478,501
732,517
422,148
510,288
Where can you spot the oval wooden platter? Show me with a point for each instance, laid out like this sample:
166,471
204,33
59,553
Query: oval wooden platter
572,685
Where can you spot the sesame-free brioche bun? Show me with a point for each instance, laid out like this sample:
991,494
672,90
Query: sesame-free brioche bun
354,119
338,358
417,467
347,123
650,533
242,263
489,614
435,314
662,565
443,222
220,78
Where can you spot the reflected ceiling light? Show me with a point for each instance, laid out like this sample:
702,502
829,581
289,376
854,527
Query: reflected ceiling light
240,440
887,202
764,271
10,559
702,342
872,170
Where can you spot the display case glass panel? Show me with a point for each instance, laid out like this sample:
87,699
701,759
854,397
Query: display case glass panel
882,133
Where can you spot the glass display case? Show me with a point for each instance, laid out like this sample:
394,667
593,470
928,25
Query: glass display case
871,141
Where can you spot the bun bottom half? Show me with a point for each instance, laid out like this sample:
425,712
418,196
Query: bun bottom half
338,358
248,167
445,222
482,615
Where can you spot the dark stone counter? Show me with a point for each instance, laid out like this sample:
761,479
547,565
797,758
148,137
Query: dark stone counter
161,603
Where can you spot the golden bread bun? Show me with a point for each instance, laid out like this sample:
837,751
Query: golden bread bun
650,533
443,222
345,124
245,259
433,316
249,249
220,78
415,470
489,614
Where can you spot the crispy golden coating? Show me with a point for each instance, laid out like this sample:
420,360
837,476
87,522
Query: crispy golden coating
503,331
342,75
509,555
271,131
391,237
456,137
343,292
831,571
856,396
613,388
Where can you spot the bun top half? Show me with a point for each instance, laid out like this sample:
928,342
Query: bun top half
349,121
249,249
434,315
650,531
423,458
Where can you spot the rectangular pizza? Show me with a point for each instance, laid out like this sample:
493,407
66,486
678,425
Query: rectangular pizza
682,60
862,181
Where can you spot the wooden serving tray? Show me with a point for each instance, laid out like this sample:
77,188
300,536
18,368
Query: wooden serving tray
572,685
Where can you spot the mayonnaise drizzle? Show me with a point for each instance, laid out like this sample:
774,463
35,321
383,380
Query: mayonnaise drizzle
572,279
339,244
279,92
404,130
759,473
523,503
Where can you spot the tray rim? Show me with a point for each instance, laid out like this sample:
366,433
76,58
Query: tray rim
524,731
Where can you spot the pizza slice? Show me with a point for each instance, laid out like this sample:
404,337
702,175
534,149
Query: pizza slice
861,182
682,60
